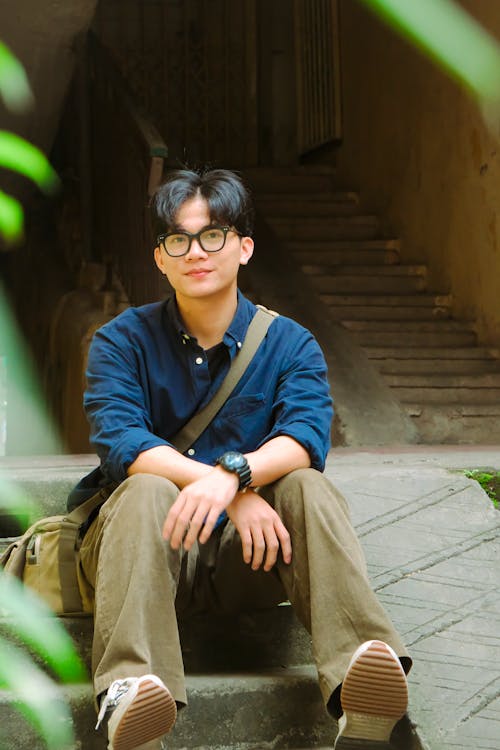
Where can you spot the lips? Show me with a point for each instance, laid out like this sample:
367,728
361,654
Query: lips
198,273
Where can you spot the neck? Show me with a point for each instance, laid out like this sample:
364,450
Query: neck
207,319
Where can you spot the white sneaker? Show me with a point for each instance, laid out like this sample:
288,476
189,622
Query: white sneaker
374,696
140,709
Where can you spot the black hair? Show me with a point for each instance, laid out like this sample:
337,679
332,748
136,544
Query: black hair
226,194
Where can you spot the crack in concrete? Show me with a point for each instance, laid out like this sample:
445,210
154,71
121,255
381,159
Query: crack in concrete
428,561
450,618
486,694
393,516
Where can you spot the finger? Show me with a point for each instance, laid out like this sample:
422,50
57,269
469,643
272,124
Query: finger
259,547
246,545
284,540
209,525
272,547
171,518
194,527
181,526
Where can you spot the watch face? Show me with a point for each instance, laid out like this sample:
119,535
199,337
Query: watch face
233,460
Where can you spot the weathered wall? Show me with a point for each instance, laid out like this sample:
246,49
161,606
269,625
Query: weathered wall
42,35
418,149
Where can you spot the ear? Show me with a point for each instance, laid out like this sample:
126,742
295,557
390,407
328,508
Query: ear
246,250
159,260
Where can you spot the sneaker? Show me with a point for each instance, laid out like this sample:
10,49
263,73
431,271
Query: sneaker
374,696
137,709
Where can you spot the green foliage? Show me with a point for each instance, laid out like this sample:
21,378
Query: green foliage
451,37
24,619
489,481
14,87
16,153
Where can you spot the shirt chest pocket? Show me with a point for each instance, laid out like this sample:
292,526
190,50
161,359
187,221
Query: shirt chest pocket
243,421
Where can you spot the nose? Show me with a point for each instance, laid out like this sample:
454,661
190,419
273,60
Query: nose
195,250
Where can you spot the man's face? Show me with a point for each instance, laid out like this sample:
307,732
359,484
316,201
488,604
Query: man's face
200,274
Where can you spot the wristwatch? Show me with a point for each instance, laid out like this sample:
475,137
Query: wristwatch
236,463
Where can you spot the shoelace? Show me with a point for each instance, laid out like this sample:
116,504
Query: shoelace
116,691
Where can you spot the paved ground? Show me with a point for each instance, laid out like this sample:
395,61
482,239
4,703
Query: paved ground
432,540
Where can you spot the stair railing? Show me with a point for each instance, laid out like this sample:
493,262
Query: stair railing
128,158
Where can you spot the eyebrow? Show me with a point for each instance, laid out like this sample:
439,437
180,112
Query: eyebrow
179,228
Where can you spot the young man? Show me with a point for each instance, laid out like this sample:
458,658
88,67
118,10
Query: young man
245,518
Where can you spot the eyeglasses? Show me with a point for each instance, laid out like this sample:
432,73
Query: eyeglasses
211,239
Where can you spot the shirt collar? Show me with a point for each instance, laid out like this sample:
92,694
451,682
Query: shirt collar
235,334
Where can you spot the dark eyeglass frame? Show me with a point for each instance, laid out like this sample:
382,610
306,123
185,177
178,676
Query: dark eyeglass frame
196,236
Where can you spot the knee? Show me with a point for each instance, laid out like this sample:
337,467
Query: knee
143,495
308,488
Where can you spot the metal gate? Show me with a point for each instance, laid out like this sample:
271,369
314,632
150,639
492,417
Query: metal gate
317,73
192,63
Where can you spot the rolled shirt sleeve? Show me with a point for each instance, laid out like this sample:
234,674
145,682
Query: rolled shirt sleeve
116,403
303,407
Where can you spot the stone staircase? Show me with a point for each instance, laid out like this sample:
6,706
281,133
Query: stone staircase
250,679
433,363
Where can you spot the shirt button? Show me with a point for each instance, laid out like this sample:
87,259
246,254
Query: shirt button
238,344
191,452
199,360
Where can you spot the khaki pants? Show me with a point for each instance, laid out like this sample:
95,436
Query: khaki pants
142,584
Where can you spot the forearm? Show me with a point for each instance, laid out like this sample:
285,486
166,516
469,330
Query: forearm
169,463
274,459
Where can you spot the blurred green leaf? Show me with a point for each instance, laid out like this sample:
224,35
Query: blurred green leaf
451,37
23,157
34,425
30,619
11,218
15,501
14,86
36,697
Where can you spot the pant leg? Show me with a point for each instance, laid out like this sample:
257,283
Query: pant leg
327,582
135,574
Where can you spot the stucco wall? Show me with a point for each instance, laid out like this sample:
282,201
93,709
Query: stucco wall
417,147
42,35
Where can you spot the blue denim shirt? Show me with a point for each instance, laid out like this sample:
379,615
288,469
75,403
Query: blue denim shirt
146,377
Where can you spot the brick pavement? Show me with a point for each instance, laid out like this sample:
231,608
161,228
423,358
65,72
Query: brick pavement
432,540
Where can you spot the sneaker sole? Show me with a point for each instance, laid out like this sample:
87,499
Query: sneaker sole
374,697
150,715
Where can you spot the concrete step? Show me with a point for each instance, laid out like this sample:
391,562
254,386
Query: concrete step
345,313
277,708
432,353
280,708
42,483
484,397
306,249
443,366
443,380
456,424
396,301
370,269
405,338
408,326
324,227
250,641
340,203
376,283
285,181
346,256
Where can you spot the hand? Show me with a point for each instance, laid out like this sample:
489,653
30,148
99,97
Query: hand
198,506
261,530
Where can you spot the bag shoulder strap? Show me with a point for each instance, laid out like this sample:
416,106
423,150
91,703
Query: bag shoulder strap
255,335
81,513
